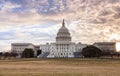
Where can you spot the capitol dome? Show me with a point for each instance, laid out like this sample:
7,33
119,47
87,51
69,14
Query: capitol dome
63,35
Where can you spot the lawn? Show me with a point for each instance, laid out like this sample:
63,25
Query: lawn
60,67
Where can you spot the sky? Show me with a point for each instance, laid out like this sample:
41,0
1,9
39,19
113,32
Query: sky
38,21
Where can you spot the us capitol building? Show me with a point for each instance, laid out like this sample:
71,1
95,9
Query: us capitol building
62,48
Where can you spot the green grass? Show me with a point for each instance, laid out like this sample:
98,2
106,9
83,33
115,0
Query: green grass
60,67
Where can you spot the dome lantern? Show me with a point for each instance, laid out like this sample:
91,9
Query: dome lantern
63,23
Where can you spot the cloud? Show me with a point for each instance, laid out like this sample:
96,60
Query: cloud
38,21
113,1
98,21
6,35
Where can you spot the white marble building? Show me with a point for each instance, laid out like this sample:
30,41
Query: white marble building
63,47
106,46
20,47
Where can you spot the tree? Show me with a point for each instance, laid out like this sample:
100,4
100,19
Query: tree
28,53
10,54
39,52
91,51
1,53
6,54
13,54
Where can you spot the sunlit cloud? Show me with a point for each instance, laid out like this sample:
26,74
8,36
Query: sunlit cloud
37,21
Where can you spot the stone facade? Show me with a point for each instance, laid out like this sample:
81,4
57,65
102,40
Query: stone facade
106,46
20,47
62,48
